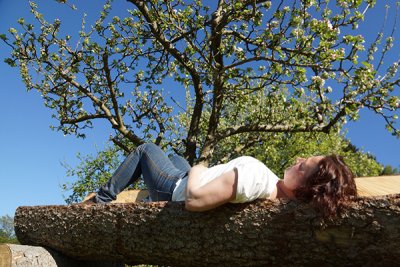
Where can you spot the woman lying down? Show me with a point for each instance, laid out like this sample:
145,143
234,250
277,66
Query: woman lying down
325,181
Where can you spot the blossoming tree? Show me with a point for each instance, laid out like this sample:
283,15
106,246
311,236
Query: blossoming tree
240,68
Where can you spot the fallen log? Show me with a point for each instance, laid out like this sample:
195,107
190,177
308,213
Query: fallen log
12,255
261,233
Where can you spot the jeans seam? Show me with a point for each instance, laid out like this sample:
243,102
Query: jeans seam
124,165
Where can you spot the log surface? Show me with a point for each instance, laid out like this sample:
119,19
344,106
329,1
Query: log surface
261,233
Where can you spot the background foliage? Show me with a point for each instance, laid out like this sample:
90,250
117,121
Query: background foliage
7,234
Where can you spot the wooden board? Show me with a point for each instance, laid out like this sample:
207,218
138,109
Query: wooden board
127,196
378,186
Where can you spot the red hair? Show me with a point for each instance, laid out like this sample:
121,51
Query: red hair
330,187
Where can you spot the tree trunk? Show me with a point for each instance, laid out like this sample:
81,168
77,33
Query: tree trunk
261,233
30,256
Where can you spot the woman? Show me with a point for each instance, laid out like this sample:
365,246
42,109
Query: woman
325,181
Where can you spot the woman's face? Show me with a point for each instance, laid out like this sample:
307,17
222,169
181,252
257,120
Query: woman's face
296,175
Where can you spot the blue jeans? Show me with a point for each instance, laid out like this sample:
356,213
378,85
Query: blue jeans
159,172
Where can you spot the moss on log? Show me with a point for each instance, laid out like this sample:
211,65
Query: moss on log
261,233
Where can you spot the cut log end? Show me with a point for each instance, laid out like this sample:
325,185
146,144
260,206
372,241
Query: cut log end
5,256
12,255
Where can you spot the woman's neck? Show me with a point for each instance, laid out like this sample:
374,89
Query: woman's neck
283,191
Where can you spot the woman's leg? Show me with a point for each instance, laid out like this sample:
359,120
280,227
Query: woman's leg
159,174
180,163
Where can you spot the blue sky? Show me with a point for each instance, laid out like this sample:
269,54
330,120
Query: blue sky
31,153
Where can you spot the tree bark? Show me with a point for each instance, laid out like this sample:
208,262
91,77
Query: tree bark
12,255
261,233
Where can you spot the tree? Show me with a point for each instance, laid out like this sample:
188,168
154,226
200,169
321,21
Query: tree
7,233
389,170
245,68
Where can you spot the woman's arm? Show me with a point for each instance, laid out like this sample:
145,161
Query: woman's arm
211,195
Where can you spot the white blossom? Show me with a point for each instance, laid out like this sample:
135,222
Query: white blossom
238,49
329,24
318,80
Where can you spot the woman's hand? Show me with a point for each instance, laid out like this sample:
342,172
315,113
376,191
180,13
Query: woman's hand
218,191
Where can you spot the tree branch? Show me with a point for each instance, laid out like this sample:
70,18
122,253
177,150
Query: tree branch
121,128
272,59
83,118
269,128
111,88
219,20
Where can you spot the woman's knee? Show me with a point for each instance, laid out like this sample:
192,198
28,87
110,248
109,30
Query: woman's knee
147,146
